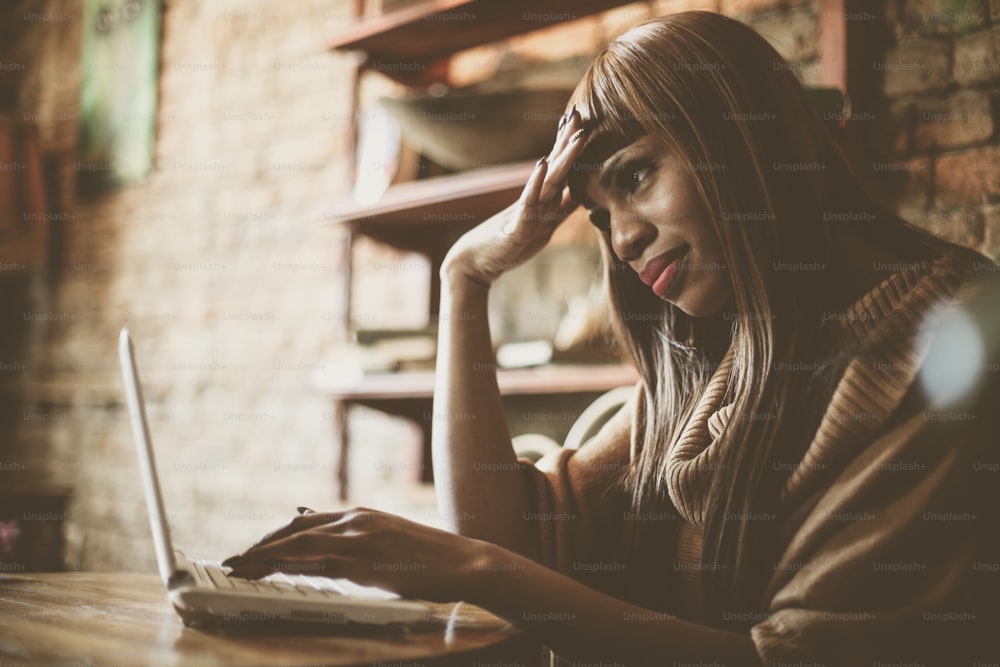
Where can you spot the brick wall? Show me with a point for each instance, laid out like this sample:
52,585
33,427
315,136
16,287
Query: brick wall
939,159
220,265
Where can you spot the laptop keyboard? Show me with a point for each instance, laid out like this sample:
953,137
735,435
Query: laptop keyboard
279,582
212,573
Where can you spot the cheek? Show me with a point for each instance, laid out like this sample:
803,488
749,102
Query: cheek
702,232
712,243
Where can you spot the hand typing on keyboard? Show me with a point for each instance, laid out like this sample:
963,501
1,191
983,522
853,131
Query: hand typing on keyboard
371,548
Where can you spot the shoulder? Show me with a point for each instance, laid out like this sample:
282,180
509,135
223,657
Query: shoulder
912,334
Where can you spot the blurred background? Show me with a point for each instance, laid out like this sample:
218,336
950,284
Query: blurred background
261,192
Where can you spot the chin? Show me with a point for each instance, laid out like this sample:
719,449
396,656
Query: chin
695,311
704,303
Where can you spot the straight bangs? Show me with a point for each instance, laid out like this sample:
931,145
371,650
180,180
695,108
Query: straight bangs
610,125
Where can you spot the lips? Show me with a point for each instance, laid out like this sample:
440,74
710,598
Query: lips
656,266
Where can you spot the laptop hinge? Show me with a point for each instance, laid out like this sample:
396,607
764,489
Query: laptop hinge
180,579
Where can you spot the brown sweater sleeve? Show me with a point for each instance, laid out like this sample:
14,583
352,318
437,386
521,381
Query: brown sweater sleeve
577,504
896,561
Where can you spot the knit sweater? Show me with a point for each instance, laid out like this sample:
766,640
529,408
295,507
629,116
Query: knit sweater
881,558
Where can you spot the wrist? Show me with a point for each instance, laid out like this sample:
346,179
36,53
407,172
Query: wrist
489,570
457,277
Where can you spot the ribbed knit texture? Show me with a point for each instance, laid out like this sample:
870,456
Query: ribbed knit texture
856,503
865,396
863,399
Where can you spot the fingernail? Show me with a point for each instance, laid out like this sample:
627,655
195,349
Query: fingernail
541,161
304,510
562,121
579,133
572,111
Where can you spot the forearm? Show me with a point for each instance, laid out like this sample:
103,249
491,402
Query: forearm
582,623
479,487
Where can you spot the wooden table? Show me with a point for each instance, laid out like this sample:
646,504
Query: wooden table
125,619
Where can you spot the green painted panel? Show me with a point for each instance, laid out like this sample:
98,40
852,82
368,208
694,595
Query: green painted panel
120,65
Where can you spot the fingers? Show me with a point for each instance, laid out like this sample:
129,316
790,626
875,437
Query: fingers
565,131
306,520
549,175
555,179
300,523
565,151
289,554
532,189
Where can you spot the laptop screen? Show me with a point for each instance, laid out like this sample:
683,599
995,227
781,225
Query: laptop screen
147,464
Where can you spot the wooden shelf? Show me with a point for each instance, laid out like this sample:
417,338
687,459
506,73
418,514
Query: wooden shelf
412,45
410,395
432,30
552,379
409,213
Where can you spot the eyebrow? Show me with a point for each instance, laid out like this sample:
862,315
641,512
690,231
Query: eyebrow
608,169
611,165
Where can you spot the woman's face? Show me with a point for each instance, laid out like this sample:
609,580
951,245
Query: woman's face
646,201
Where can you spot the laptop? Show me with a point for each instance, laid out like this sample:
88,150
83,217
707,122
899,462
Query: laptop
201,591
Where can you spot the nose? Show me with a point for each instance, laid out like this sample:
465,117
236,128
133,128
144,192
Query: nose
630,234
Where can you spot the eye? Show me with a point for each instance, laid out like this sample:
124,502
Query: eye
633,175
638,176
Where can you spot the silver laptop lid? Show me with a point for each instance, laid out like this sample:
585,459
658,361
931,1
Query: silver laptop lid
147,464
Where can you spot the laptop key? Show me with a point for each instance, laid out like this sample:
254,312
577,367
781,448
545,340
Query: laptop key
244,584
283,587
217,576
333,586
311,586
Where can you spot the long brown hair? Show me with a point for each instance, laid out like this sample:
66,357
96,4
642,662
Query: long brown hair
777,191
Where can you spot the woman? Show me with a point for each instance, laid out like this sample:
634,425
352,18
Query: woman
748,506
